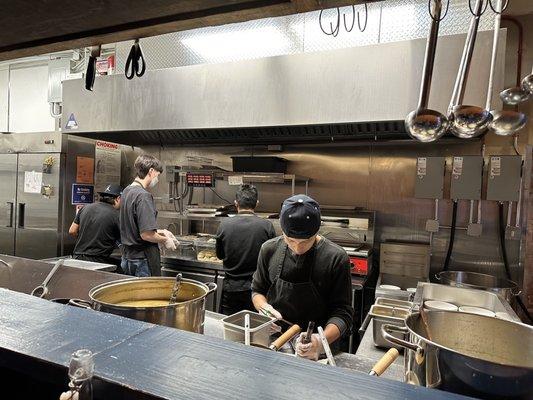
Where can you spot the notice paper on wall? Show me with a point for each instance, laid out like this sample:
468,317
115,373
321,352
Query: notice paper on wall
107,157
33,181
84,169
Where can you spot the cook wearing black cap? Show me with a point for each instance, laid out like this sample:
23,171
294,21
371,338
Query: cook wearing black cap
96,227
302,276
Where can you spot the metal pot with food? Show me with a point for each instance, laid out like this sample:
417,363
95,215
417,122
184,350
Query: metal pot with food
148,299
467,354
474,280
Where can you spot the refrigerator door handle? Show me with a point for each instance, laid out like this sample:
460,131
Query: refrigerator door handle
22,208
10,206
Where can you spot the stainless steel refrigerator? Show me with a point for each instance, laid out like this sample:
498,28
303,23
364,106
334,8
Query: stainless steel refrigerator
36,173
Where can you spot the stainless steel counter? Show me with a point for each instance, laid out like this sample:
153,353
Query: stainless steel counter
363,361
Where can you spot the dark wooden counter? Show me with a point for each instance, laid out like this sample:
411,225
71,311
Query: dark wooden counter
160,362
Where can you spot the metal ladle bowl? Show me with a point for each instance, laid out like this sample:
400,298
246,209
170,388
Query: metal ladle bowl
468,122
426,125
507,123
527,84
514,95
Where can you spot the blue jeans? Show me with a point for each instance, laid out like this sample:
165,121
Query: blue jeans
138,267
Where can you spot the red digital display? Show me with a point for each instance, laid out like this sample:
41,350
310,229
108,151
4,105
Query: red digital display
359,266
200,180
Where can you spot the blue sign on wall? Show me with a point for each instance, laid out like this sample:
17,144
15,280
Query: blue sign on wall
82,194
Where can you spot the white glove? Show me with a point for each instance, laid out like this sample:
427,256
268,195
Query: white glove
171,243
267,309
270,311
69,395
311,350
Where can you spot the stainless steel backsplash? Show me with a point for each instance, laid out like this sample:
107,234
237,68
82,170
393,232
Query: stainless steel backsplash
376,177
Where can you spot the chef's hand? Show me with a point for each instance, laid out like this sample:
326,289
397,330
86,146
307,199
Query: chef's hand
171,242
267,309
311,350
69,396
270,311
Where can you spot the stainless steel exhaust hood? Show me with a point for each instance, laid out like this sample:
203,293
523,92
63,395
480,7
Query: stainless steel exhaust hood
348,94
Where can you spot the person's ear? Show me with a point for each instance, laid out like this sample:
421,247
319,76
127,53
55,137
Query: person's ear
257,203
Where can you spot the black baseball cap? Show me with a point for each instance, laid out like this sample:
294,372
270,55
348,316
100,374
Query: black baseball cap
300,217
112,190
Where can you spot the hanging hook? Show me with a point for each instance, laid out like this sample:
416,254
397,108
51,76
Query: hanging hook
366,19
503,8
443,14
334,31
353,20
482,12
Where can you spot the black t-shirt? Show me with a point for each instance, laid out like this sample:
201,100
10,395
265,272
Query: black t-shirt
331,276
239,240
137,214
99,230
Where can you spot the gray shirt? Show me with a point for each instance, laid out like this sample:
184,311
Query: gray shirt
137,214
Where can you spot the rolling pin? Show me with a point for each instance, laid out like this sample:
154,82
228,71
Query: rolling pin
279,342
384,362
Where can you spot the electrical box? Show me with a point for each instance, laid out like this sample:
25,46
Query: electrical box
172,173
503,183
429,182
467,177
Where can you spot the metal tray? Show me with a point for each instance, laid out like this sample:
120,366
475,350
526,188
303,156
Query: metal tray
387,315
259,327
462,297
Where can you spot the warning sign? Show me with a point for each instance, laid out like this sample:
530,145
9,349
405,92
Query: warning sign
71,122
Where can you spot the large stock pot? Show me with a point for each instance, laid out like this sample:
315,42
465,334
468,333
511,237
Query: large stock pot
146,299
468,354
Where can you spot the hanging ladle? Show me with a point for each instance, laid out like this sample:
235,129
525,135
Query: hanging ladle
467,121
518,94
527,83
504,122
424,124
175,289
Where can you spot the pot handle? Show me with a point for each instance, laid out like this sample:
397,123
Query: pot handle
386,332
516,291
212,287
80,303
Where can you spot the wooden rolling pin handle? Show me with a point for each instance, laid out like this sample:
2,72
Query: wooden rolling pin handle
384,362
279,342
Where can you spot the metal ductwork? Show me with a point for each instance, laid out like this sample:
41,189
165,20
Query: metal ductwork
360,93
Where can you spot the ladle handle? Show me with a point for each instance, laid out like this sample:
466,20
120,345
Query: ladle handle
466,58
279,342
429,57
497,19
384,362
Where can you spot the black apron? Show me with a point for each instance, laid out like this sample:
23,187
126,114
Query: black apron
297,302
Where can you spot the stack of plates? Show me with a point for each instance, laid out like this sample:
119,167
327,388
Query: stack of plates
477,310
439,305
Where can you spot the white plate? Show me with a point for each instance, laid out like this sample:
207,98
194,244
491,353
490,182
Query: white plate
439,305
477,310
390,287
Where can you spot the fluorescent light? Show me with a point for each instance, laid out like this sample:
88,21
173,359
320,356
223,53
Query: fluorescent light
238,44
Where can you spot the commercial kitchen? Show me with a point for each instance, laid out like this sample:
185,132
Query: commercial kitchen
266,199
